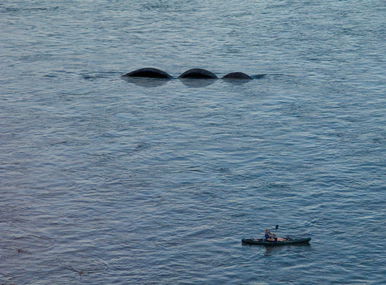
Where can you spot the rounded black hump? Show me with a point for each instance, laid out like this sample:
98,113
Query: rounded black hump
237,75
198,73
149,72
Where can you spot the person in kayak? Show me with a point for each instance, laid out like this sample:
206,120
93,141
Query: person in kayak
269,236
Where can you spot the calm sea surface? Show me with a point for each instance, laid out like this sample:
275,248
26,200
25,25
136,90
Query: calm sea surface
104,181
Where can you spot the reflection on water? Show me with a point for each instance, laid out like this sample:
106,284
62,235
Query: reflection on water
236,81
157,82
146,82
188,82
197,83
270,250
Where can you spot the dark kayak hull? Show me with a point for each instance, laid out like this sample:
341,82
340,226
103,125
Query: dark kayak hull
252,241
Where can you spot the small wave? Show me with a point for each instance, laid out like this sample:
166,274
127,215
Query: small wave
15,245
38,242
165,6
98,75
27,9
259,76
83,265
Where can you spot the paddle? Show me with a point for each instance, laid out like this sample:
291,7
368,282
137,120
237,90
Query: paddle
276,228
287,237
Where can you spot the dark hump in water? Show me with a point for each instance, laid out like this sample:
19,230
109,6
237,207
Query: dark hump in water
198,73
149,72
237,75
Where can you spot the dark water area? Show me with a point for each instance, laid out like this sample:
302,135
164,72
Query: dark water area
105,181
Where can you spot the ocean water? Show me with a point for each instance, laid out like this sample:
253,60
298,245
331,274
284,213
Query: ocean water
104,181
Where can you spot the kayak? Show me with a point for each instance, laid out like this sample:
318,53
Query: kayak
288,241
